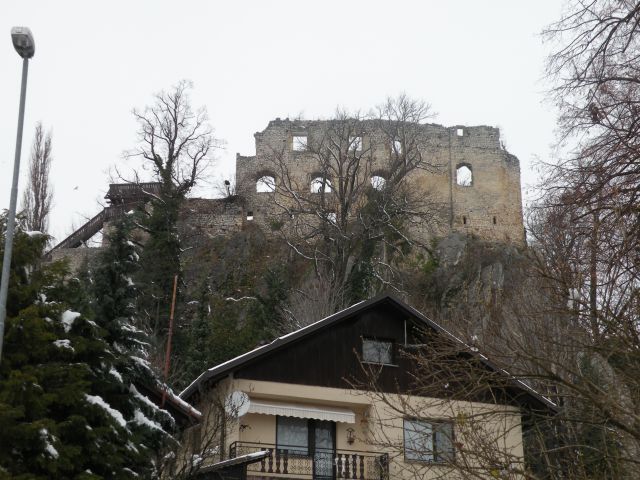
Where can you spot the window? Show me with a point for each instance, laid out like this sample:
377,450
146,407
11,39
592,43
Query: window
426,441
464,176
292,434
495,221
332,218
355,144
266,184
377,351
299,143
460,132
249,216
396,146
378,182
319,183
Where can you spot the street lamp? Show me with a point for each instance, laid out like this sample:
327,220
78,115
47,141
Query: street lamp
26,47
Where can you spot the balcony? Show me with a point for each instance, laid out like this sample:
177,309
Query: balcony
292,463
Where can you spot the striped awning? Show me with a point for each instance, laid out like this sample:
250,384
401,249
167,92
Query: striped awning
299,410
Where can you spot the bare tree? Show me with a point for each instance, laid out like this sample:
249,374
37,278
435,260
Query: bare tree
352,218
200,444
38,195
175,141
587,225
315,299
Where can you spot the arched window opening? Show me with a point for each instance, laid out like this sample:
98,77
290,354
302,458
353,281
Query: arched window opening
249,216
464,176
266,184
396,147
464,220
378,182
320,184
495,221
332,218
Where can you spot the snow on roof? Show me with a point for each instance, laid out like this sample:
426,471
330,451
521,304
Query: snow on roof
180,403
248,458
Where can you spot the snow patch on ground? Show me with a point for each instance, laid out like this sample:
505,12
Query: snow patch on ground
115,414
67,318
64,343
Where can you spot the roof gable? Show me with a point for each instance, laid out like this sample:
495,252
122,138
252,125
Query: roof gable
332,344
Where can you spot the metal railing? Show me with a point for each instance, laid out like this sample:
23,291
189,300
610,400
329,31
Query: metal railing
297,463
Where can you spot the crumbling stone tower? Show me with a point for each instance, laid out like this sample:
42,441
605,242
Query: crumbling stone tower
473,178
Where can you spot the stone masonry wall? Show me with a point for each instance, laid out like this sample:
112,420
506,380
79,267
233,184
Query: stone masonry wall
491,207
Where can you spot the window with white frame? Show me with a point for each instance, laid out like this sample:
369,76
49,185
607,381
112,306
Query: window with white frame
377,351
428,441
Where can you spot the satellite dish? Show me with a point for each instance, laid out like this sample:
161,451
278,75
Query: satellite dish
237,404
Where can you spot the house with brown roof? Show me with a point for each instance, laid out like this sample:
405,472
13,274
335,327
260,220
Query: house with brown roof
375,391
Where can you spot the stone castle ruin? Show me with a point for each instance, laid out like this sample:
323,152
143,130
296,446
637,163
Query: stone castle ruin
464,171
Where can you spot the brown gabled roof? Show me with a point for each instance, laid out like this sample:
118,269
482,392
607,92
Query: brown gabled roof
222,370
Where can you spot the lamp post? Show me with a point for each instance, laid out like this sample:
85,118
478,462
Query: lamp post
26,47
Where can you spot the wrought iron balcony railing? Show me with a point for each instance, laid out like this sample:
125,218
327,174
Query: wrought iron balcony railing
297,463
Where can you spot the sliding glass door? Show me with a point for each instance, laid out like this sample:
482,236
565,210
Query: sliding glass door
315,438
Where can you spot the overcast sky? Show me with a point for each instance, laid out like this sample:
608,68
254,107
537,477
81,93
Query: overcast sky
477,62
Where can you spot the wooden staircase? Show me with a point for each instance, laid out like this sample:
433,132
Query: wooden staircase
122,198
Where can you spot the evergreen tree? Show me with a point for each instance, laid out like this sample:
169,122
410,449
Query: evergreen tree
67,405
115,297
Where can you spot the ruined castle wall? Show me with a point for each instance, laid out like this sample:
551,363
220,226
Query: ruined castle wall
491,207
75,257
208,218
